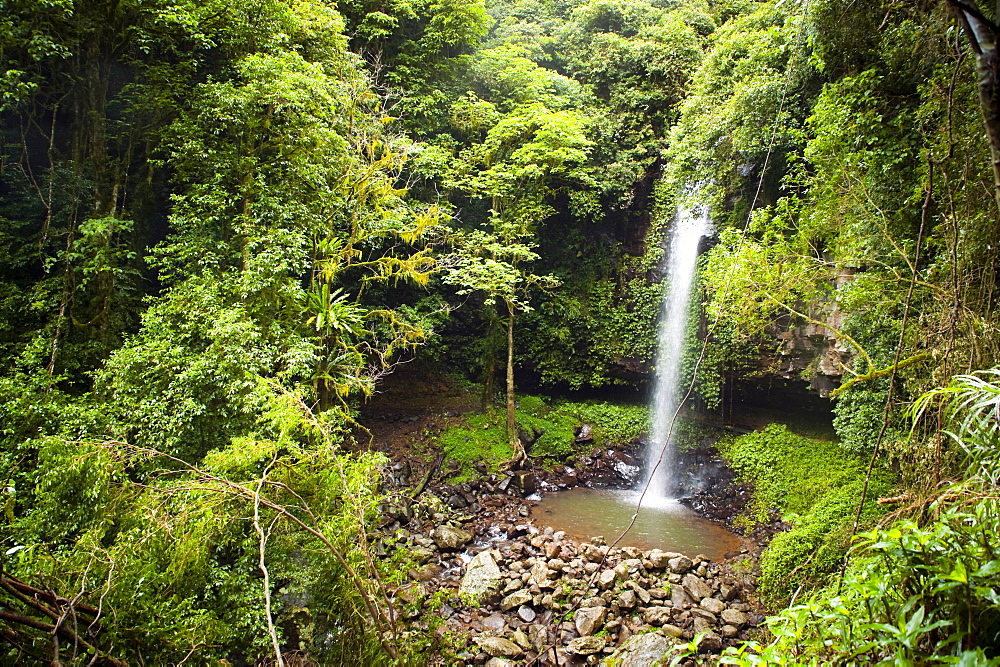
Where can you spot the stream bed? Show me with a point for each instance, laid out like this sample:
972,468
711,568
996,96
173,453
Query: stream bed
584,513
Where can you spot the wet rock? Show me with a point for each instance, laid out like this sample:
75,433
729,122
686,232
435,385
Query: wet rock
538,635
421,554
680,597
713,605
482,576
427,572
639,651
585,433
499,647
449,537
702,625
656,615
500,662
680,565
733,617
672,631
521,640
696,586
641,592
515,600
586,645
539,575
589,620
710,643
412,593
526,481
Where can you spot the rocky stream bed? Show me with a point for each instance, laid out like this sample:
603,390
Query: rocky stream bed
497,587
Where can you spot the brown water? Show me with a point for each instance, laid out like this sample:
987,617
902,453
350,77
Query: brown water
584,513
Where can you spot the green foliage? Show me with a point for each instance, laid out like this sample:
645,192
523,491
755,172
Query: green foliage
614,424
482,438
816,486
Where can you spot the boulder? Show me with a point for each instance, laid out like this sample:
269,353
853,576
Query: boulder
586,645
639,651
589,620
450,537
482,576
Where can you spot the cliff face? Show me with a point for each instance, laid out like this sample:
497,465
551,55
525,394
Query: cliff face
810,351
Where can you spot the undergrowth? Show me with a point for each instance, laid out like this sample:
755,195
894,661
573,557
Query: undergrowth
815,486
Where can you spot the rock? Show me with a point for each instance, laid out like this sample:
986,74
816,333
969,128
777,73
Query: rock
539,575
728,592
538,635
585,434
421,554
500,662
710,643
640,591
659,593
482,576
656,615
494,622
733,617
679,596
586,645
515,599
449,537
639,651
696,586
698,612
595,601
728,631
526,482
412,593
627,600
499,647
713,605
606,579
589,620
701,625
521,639
672,631
426,572
680,565
526,614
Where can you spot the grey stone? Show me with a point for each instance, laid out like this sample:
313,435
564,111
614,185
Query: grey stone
500,662
656,615
698,612
627,600
515,599
449,537
696,586
521,639
589,620
680,565
586,645
679,596
499,647
494,622
733,617
658,593
606,579
482,576
728,631
639,651
713,605
595,601
710,643
701,625
526,614
672,631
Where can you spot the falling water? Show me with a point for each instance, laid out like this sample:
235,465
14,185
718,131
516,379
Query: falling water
680,263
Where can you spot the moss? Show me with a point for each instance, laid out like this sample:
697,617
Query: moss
816,486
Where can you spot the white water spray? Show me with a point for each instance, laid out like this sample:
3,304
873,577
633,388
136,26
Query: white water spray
680,263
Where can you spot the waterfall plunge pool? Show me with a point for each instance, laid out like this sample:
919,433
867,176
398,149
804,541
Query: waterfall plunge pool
584,513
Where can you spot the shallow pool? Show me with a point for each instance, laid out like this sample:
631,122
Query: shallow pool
584,513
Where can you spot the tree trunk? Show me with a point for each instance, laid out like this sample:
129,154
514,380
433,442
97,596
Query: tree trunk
512,436
982,35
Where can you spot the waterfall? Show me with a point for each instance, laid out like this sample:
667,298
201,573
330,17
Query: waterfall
679,267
